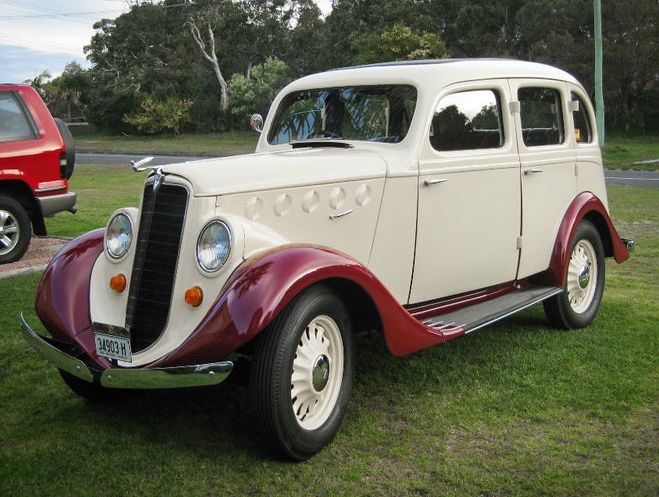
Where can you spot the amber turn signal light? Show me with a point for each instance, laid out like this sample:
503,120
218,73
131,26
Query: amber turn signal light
194,296
118,283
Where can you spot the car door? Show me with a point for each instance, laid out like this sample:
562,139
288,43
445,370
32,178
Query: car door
547,172
469,194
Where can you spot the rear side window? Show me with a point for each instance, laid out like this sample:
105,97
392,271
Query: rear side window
582,125
542,116
467,120
14,124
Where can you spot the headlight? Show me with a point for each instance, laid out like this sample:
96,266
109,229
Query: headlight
119,235
213,246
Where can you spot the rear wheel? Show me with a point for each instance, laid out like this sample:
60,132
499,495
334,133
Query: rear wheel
577,306
301,376
15,230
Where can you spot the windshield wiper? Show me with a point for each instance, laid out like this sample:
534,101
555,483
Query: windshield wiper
322,142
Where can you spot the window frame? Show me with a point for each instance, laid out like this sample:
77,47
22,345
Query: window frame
503,135
559,88
582,99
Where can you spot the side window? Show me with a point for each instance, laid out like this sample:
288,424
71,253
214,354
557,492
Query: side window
542,116
467,120
14,125
582,126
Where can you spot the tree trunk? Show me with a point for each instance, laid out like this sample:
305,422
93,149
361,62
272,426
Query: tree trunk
211,58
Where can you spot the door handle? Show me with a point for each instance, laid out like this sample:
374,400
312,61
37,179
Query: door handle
430,182
340,214
533,170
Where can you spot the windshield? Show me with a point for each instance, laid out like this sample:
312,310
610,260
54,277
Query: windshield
372,113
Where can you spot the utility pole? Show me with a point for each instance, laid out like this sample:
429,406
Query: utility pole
599,96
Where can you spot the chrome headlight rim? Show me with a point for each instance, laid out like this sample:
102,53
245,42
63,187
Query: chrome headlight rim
227,227
113,257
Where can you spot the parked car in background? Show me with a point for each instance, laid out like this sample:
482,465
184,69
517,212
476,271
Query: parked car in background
424,199
37,158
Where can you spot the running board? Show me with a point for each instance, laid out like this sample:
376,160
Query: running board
472,318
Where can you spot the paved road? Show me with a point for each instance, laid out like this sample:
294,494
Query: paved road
647,179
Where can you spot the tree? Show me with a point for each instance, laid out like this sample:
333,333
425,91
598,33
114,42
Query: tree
399,42
39,82
256,92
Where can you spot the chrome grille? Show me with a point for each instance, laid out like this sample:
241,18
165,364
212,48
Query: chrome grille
158,243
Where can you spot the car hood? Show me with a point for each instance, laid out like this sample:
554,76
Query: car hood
281,169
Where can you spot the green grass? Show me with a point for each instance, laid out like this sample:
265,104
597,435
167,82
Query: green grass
519,409
100,190
621,152
198,144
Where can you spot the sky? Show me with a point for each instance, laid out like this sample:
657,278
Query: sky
44,35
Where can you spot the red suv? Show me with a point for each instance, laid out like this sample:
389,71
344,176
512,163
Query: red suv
36,160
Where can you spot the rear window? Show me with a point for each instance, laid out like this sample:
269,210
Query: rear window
467,120
582,125
14,124
542,116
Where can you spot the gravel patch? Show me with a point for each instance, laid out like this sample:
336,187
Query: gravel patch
37,257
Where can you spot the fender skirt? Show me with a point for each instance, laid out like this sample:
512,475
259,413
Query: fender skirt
585,206
262,286
62,299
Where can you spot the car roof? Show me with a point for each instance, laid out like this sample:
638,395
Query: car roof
433,72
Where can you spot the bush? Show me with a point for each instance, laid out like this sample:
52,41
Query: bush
157,116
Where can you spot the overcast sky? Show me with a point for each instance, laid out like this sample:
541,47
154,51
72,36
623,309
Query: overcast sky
43,35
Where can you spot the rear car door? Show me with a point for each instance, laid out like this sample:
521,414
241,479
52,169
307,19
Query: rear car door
547,171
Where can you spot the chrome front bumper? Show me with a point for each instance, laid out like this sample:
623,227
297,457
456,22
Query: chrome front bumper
136,378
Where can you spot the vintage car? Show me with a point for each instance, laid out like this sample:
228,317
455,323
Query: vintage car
424,199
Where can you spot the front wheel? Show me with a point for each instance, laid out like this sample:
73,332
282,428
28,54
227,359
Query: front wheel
577,305
301,376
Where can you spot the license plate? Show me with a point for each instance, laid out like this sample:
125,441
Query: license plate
112,342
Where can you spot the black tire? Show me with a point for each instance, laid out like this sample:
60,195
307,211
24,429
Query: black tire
67,138
14,218
92,392
558,309
271,383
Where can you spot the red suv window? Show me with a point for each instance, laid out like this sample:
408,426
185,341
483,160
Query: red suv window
14,124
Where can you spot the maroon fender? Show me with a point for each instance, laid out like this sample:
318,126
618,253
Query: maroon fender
261,287
62,300
585,206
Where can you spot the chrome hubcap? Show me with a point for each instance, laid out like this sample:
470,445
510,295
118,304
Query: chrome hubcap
320,375
582,276
9,232
317,372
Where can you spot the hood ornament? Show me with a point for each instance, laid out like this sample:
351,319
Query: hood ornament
141,165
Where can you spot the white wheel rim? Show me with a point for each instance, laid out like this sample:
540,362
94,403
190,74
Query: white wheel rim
319,351
582,276
10,232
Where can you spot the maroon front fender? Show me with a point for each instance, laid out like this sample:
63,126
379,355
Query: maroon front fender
259,289
62,300
585,205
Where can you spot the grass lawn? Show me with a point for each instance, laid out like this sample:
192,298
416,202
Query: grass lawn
518,409
622,152
220,144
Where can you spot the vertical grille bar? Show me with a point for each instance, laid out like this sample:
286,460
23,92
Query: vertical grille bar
158,244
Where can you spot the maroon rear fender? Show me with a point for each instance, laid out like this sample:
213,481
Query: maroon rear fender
62,300
260,289
585,206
